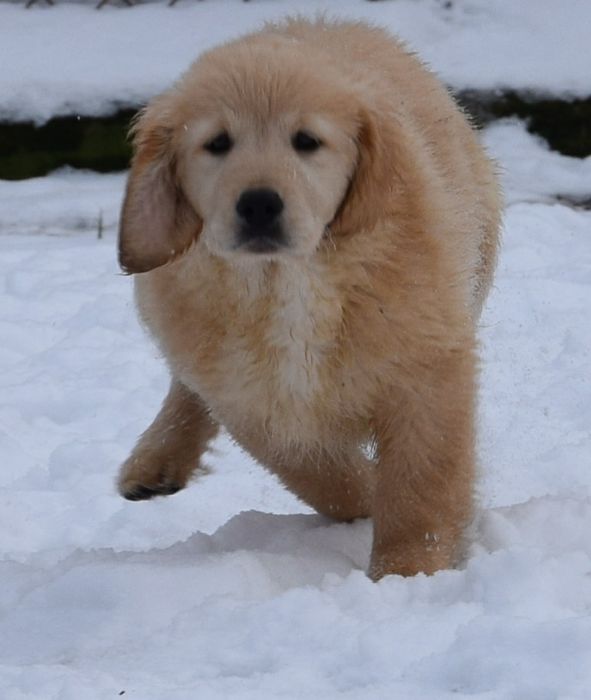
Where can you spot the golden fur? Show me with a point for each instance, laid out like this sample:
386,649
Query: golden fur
360,332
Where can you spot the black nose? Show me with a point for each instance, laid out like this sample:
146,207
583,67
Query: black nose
259,208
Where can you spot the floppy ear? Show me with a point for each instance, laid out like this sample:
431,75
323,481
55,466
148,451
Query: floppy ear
376,183
157,222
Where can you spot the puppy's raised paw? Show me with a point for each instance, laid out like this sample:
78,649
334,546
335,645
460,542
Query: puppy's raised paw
134,491
145,476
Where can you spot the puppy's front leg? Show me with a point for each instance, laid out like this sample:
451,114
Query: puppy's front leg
169,451
424,492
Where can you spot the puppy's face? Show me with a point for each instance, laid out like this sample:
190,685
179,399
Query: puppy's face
256,152
265,187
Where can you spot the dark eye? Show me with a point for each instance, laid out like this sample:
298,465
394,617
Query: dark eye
220,144
304,142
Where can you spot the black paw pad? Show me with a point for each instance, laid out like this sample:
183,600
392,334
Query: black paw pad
143,493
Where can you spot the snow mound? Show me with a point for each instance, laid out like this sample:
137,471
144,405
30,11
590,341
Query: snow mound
277,606
71,59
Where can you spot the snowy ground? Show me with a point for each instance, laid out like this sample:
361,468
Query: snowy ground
232,589
71,58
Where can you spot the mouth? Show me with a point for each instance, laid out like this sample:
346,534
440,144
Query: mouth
260,246
261,240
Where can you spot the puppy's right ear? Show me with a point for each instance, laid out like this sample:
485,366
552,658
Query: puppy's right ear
157,222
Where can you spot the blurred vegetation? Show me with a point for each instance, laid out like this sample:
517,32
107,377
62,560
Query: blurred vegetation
95,143
565,124
101,144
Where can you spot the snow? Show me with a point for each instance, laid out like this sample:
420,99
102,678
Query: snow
232,588
66,201
73,59
532,172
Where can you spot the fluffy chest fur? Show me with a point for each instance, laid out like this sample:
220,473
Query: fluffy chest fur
278,346
260,344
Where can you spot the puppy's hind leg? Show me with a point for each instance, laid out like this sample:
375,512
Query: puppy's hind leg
168,452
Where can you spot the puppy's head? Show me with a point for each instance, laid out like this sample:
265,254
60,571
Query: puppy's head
257,150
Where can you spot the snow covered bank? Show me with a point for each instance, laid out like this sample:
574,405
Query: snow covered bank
231,588
530,171
71,59
67,201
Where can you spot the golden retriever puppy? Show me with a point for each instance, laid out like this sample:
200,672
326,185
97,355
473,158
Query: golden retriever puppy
315,229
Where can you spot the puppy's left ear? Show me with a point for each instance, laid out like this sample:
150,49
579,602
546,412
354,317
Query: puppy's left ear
157,222
376,186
